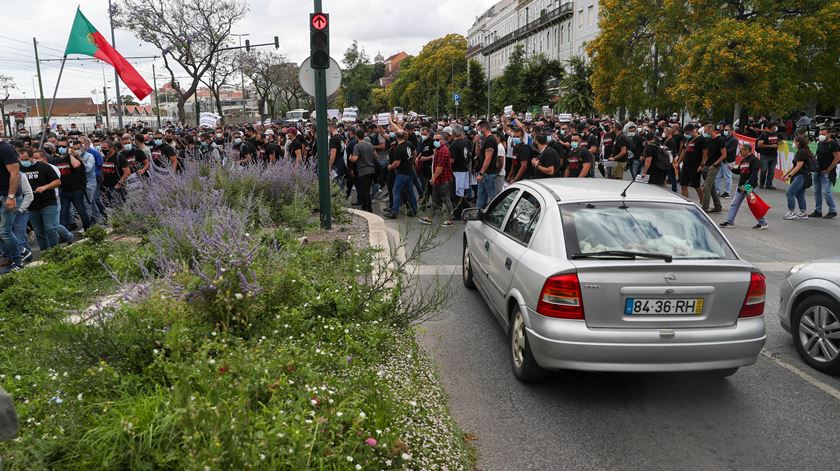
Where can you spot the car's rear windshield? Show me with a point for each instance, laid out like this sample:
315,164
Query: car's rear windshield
679,230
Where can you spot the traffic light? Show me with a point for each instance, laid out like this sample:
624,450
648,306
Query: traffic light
276,42
247,45
319,40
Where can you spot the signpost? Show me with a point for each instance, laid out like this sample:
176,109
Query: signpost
319,45
457,99
306,76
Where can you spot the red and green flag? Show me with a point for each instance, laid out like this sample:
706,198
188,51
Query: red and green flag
86,40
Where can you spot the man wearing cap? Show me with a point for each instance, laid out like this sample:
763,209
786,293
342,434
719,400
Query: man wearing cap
295,146
768,149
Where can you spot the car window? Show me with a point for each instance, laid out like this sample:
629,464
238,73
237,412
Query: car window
679,230
523,220
497,210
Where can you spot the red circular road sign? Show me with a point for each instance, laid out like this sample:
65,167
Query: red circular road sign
319,21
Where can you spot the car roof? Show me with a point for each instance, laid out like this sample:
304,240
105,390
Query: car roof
574,190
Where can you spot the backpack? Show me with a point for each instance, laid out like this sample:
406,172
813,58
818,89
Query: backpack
663,158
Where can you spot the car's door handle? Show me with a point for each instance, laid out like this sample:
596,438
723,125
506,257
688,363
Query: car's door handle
507,263
486,245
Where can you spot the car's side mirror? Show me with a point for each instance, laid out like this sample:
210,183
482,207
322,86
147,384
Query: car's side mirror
471,214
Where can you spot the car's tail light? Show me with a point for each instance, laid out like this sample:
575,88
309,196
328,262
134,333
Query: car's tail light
561,297
754,302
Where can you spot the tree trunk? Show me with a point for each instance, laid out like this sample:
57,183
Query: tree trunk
219,106
182,112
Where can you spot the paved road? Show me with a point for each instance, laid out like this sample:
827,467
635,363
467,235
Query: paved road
777,414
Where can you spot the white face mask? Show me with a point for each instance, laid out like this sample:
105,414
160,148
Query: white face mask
822,138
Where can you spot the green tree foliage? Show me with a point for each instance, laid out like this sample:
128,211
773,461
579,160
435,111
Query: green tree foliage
575,88
540,73
507,89
359,79
474,97
769,55
427,82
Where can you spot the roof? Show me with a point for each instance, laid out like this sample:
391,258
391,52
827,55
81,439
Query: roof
601,189
401,53
63,106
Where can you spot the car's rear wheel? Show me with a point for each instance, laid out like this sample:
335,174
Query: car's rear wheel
466,268
816,333
525,367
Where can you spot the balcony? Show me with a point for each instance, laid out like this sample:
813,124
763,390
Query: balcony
549,18
473,51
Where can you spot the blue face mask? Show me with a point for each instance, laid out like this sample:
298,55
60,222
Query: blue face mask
575,144
516,141
437,144
158,142
549,138
62,150
392,135
127,147
27,163
707,135
687,136
99,148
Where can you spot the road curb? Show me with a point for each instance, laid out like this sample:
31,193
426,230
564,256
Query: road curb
377,232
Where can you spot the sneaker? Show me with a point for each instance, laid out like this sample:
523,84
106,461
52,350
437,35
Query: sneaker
760,187
770,188
389,216
802,215
715,210
727,225
816,214
425,221
791,215
15,267
25,255
725,195
830,215
447,224
760,227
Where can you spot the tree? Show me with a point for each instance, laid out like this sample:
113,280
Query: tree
474,97
540,73
643,61
265,68
360,78
507,89
6,83
188,33
576,89
128,100
219,75
289,93
428,82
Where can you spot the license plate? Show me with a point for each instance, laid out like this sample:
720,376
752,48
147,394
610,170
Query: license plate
653,306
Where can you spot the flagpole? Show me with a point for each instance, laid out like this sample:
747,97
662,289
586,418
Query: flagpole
52,103
116,75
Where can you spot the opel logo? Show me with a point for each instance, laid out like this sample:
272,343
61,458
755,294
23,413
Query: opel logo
670,278
669,291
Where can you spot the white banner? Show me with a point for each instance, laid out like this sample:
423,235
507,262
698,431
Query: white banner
208,120
382,119
509,111
333,113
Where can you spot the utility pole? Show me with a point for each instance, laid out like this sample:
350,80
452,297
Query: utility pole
320,61
40,84
157,103
242,78
116,75
107,112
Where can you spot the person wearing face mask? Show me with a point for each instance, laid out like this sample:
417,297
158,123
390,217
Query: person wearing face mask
768,149
72,189
716,155
441,180
651,157
363,160
580,160
723,182
426,154
692,160
61,150
547,162
800,179
671,149
163,155
135,157
115,171
401,165
74,132
620,149
522,155
43,212
828,158
89,164
748,170
635,147
247,151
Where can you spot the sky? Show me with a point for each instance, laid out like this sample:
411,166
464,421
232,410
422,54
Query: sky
384,26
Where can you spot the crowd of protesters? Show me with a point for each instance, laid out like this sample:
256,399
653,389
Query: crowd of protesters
429,166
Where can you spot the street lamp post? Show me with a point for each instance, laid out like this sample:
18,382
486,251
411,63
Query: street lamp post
486,36
242,76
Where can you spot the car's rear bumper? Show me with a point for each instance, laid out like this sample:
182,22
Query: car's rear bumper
786,296
567,344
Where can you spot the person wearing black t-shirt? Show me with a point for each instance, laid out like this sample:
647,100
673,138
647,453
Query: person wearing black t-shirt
115,171
135,157
799,176
426,154
43,211
460,153
828,158
296,150
693,159
748,169
716,151
72,187
9,185
620,148
336,158
163,155
273,151
487,161
402,164
522,158
580,160
649,156
768,148
544,165
247,151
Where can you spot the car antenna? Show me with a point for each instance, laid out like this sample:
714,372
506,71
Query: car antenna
624,193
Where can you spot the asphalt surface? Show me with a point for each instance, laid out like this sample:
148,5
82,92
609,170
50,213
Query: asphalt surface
777,414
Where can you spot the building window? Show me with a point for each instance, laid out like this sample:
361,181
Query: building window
589,12
562,33
580,18
569,36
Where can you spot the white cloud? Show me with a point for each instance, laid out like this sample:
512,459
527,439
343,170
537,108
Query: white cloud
379,26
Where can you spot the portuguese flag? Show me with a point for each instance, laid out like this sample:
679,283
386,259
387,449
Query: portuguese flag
86,40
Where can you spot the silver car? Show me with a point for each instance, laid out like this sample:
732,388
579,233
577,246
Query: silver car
590,275
810,311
